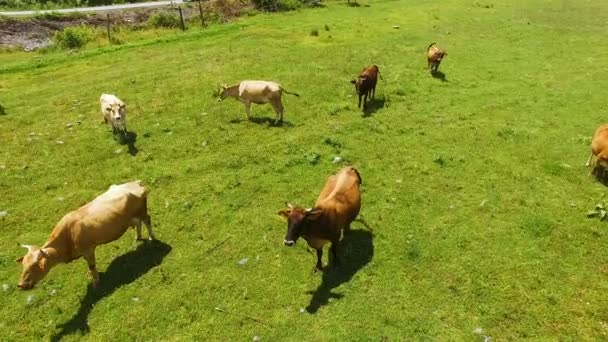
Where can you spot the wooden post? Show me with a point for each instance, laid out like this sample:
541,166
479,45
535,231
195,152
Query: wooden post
181,18
200,10
108,27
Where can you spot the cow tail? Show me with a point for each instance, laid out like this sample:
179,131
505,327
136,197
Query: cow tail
358,175
286,92
427,49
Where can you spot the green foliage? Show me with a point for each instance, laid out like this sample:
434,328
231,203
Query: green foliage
74,37
279,5
163,20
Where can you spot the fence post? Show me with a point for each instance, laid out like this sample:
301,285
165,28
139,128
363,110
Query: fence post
200,10
181,18
108,27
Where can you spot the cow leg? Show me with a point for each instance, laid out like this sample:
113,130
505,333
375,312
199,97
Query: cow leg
589,160
334,253
364,100
278,108
248,109
319,265
90,258
138,231
148,223
359,105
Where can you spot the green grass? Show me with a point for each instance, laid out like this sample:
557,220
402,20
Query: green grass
474,188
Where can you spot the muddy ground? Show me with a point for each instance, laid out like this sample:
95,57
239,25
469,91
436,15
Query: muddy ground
37,32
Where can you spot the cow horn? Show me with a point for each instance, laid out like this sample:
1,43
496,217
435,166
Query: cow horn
29,247
289,205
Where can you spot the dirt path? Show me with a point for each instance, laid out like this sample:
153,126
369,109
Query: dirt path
94,9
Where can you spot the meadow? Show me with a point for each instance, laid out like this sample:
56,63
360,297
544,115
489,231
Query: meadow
474,194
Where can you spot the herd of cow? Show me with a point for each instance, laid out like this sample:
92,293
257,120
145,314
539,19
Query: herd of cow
108,216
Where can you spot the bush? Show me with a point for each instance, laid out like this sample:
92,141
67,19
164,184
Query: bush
74,37
163,19
280,5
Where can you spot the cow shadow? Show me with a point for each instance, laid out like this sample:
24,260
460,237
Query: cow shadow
268,121
600,173
355,4
355,250
439,75
123,270
373,106
128,138
2,110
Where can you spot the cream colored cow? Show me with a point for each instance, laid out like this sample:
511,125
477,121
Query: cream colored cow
259,92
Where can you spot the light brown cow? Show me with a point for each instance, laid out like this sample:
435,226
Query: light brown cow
336,207
434,56
259,92
101,221
599,147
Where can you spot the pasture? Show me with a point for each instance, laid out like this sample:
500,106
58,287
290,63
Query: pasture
474,191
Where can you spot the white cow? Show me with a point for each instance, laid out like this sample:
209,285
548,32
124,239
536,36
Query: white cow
259,92
113,110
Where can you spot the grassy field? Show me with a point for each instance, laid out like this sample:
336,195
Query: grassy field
474,188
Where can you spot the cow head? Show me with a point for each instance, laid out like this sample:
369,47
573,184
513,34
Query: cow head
297,219
222,92
358,82
35,267
116,111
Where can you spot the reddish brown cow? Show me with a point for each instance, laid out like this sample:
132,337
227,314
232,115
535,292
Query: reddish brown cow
365,83
336,207
599,147
434,56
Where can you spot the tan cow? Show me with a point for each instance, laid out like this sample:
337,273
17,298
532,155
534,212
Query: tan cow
78,233
434,56
599,147
259,92
336,207
113,110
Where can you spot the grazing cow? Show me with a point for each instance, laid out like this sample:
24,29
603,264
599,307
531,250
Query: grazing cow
434,56
259,92
336,207
365,83
599,147
101,221
113,111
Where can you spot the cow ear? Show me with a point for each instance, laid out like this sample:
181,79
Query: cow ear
313,213
19,259
285,212
353,81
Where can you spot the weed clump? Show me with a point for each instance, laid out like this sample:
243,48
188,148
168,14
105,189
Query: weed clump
74,37
314,32
163,20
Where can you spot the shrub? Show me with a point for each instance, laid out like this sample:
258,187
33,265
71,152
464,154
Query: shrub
163,19
74,37
280,5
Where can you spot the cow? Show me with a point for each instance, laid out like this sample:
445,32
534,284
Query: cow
365,83
336,207
434,56
99,222
599,147
113,110
259,92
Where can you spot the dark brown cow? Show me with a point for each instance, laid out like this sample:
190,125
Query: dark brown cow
434,56
336,207
365,83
